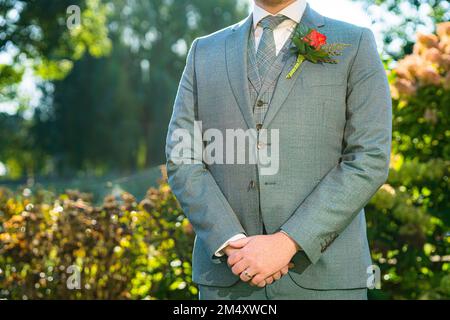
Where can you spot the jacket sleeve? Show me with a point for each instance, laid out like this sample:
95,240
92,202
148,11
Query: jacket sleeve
202,200
364,164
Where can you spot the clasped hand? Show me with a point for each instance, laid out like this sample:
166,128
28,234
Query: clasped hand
261,259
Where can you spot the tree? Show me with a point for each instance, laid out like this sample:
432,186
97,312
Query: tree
109,83
112,113
35,36
37,32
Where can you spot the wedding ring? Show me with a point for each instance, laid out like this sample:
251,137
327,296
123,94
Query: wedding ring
247,274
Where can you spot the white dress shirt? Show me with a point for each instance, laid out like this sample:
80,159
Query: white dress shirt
281,34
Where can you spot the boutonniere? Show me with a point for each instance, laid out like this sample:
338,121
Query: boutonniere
311,45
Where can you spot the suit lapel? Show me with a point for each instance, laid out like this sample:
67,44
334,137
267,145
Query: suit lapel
236,60
284,86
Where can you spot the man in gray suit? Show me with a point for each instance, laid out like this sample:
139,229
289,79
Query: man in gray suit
291,226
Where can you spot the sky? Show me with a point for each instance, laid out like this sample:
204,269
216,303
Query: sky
346,10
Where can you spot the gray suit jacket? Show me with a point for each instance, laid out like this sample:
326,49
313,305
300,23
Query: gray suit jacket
334,123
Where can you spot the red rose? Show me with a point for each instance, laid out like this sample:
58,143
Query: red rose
315,39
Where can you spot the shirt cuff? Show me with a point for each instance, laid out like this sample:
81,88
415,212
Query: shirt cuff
220,253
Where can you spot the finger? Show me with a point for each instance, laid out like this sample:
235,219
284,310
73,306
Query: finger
276,276
229,251
291,265
239,267
262,284
284,270
246,275
258,279
238,244
269,280
234,258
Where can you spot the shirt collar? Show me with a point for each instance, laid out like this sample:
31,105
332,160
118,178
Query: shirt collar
294,12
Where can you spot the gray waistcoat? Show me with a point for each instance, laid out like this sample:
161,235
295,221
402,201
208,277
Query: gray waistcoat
261,90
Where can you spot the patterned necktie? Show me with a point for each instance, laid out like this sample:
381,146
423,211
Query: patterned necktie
266,54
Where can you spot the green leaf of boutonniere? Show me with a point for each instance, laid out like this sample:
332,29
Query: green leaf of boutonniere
311,45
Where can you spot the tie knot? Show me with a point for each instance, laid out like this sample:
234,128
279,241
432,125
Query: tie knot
271,22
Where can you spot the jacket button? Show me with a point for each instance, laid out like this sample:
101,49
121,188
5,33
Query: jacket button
260,103
252,185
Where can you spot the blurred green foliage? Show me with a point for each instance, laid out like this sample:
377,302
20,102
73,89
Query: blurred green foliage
107,85
403,18
38,32
124,249
409,218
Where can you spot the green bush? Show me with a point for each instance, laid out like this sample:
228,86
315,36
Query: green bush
123,250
